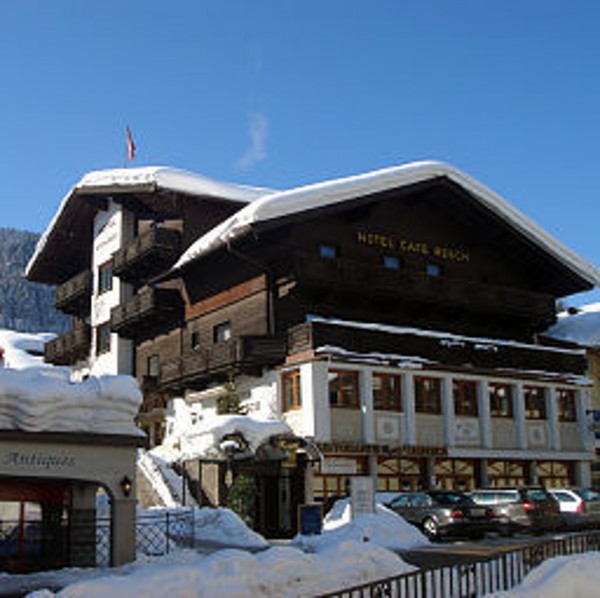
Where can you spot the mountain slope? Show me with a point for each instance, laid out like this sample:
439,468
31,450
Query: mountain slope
24,306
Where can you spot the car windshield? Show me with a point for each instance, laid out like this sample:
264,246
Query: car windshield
536,495
448,498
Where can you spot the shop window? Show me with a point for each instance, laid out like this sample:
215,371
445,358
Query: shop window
103,339
328,252
291,391
153,365
567,410
555,474
433,270
222,332
391,262
501,400
465,397
428,395
507,473
387,392
401,475
535,402
343,389
105,277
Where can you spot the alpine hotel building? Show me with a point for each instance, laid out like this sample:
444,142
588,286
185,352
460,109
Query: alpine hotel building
392,319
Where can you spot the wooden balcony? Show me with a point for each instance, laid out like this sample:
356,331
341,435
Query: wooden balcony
150,312
74,296
346,278
246,354
71,347
438,351
147,255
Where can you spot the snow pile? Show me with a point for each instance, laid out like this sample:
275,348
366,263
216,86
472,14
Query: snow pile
282,572
220,526
43,400
22,350
561,577
383,528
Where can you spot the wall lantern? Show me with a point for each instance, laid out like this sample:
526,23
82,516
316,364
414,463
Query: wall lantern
126,485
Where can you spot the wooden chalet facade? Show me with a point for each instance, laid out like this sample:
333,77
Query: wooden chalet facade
392,319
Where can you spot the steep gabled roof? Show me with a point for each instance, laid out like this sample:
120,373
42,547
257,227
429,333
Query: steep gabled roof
303,199
74,213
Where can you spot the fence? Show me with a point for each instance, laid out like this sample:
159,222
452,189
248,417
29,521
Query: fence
497,573
157,534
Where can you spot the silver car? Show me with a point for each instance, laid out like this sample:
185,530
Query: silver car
441,513
525,508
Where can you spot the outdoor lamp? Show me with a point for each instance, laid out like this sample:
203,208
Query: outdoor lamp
126,485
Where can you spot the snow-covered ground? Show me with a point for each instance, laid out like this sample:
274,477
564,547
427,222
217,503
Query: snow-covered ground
279,571
348,552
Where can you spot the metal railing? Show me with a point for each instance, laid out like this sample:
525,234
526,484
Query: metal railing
482,576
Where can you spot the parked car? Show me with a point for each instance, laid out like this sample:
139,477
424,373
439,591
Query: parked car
580,507
517,509
441,513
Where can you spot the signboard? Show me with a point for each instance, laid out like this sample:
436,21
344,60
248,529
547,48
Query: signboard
338,466
310,519
362,493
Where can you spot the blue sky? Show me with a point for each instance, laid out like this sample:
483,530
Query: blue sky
280,93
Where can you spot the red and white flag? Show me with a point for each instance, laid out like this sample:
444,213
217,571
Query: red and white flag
130,145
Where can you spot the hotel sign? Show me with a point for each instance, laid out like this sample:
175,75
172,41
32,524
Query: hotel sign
412,246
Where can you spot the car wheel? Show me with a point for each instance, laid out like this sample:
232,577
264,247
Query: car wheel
431,528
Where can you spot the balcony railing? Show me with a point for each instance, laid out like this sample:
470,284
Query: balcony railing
73,296
147,255
151,311
350,277
70,347
243,354
447,351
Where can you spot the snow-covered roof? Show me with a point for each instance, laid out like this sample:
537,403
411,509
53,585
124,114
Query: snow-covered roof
581,328
44,400
285,203
172,179
145,179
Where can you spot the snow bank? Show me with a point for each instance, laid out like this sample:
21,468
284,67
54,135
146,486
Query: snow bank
383,528
223,526
561,577
43,400
282,572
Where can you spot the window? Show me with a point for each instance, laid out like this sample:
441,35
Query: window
222,332
392,262
291,391
501,400
535,402
433,270
105,277
387,392
329,252
103,339
195,341
567,410
428,395
465,397
153,365
343,388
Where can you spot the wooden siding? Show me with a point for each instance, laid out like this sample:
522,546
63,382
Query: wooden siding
476,355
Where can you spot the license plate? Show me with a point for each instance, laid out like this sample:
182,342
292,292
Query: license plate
475,513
